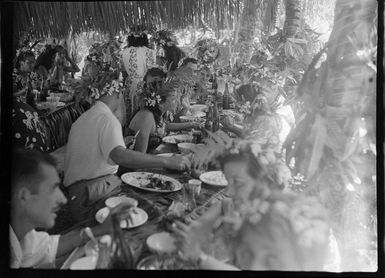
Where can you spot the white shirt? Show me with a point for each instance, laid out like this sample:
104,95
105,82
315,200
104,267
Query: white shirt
92,137
36,249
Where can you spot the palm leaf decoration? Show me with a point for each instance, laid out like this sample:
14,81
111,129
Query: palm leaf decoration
336,128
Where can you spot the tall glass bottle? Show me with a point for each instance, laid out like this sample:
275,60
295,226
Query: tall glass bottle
215,117
121,252
226,96
104,254
209,118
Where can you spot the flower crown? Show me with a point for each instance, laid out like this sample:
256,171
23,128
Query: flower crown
164,37
207,51
149,95
150,98
22,50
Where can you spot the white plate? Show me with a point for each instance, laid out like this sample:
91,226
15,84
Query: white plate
216,178
166,154
141,179
114,201
161,242
85,263
139,219
179,138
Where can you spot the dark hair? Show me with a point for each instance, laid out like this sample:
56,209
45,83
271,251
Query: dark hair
133,41
47,57
189,60
247,91
26,165
155,72
22,57
173,55
163,92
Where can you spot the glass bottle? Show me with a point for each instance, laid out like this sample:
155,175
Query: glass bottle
121,252
104,254
215,117
225,101
209,118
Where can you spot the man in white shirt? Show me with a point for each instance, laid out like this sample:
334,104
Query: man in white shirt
35,200
96,149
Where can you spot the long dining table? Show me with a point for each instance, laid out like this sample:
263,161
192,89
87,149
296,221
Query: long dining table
156,205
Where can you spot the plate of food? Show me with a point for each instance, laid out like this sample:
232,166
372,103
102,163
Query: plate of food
138,216
151,182
215,178
179,138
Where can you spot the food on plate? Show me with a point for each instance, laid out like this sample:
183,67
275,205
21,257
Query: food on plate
214,177
157,183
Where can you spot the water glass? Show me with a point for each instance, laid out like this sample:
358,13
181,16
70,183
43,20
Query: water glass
189,197
195,185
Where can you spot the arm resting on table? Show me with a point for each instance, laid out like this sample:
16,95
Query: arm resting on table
71,240
180,126
136,160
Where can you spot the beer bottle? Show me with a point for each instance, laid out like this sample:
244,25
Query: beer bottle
209,119
225,101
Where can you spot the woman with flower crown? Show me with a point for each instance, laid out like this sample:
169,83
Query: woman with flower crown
149,121
262,227
137,58
261,122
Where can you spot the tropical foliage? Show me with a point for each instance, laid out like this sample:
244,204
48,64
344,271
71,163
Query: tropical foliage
334,144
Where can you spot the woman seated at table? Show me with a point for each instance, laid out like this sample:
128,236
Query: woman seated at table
27,129
264,228
263,124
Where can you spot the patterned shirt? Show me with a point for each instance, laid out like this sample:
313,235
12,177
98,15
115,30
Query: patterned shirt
28,132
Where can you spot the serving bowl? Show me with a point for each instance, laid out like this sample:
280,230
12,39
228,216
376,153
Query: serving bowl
196,108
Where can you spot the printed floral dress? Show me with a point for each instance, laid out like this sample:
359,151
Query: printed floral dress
28,132
136,60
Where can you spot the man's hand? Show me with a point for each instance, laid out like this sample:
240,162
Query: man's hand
178,162
189,238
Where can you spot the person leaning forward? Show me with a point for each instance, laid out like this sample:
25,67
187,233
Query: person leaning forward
96,149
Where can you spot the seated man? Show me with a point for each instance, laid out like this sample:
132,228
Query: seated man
35,200
96,149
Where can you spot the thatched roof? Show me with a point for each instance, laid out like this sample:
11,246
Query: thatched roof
58,18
